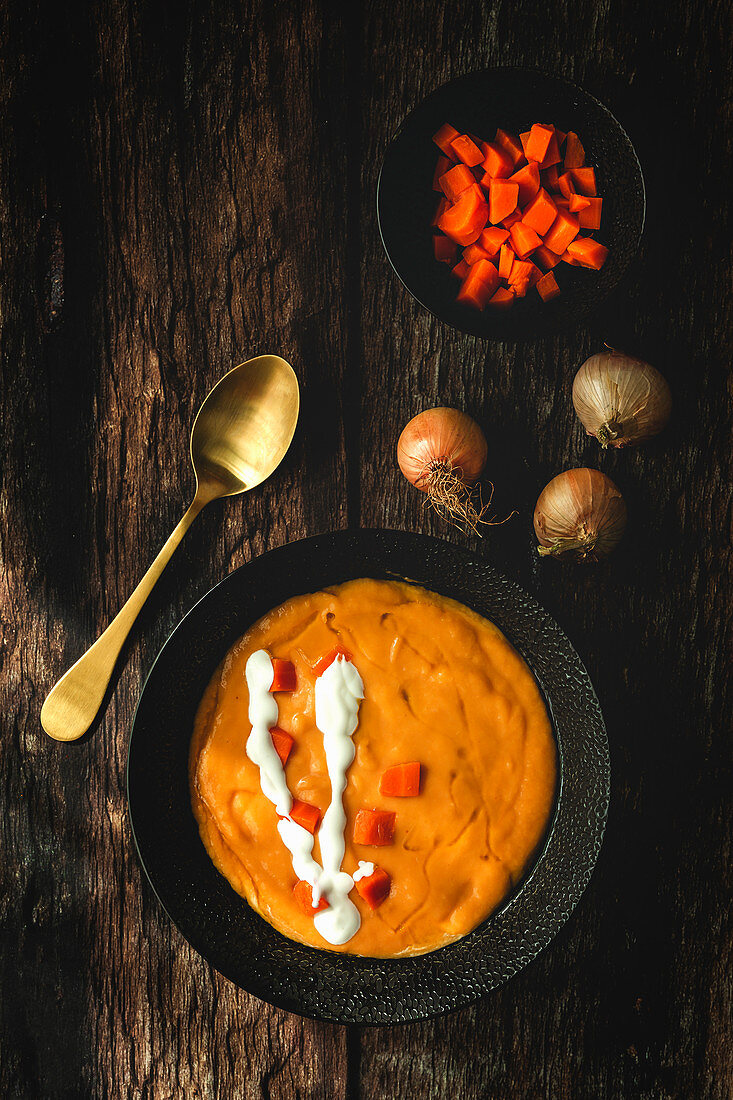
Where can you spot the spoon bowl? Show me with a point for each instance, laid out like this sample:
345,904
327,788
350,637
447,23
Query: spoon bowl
244,427
239,437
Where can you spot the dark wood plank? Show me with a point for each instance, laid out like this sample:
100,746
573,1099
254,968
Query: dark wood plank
189,155
632,998
195,167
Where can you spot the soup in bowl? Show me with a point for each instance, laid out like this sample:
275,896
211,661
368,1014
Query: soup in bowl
373,768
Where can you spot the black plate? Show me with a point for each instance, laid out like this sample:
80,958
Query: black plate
220,924
480,103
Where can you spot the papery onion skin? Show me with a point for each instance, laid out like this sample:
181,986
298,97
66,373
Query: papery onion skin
620,400
444,437
580,512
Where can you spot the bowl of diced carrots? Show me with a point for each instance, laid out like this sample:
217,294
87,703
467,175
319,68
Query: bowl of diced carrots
510,203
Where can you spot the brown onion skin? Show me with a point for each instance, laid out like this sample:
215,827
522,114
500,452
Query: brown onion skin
441,435
580,512
621,401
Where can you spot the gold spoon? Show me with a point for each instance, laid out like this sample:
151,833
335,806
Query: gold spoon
239,437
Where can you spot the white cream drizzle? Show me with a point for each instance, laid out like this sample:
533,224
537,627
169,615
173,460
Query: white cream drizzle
263,715
339,692
364,871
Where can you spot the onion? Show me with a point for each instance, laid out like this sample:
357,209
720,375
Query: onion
620,400
442,452
580,511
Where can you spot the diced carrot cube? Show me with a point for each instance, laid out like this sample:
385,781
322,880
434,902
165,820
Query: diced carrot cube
524,139
444,138
568,259
467,150
461,270
497,161
305,815
590,218
547,287
564,230
561,202
541,212
328,658
303,893
516,216
445,252
506,259
538,141
502,299
552,156
492,239
584,180
565,183
475,252
524,239
442,207
528,179
463,221
545,257
455,181
374,827
401,780
478,190
535,274
578,203
283,675
503,197
282,743
588,253
520,288
520,272
560,135
375,888
512,145
480,283
574,152
440,169
549,178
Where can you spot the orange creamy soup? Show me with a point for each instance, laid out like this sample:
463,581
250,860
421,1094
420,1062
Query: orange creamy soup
435,846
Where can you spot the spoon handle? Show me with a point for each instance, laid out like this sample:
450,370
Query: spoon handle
72,704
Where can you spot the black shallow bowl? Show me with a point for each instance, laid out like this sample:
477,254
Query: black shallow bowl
480,103
220,924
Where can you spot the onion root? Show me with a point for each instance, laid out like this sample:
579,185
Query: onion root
460,504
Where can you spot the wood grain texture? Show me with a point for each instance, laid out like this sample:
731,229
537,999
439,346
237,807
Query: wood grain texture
203,175
632,999
191,205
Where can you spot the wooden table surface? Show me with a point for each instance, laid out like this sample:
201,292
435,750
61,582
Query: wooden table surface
185,185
